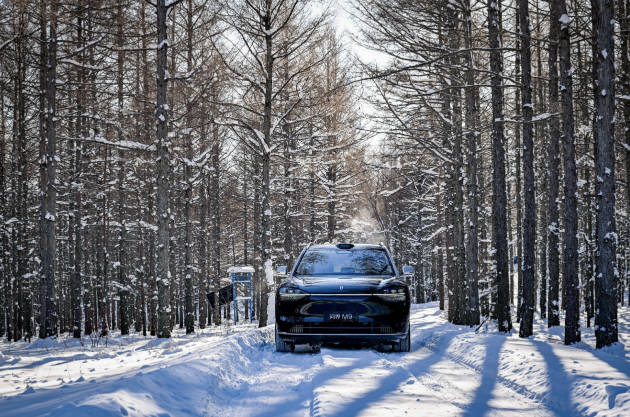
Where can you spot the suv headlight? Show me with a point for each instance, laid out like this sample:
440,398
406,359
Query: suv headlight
392,294
292,294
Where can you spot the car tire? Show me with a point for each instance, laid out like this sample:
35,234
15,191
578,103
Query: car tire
281,345
404,344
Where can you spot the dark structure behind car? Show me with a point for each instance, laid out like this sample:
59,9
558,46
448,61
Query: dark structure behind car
343,293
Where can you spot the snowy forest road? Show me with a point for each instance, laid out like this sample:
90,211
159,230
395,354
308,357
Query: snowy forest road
451,370
426,381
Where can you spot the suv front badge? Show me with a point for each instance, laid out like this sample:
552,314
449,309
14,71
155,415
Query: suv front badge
340,288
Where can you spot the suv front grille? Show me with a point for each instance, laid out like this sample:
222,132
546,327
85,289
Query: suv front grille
328,329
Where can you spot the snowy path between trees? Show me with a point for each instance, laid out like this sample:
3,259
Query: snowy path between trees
450,371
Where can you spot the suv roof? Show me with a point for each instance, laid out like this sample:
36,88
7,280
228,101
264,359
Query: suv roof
354,246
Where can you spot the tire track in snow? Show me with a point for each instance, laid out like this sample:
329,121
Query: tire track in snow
336,363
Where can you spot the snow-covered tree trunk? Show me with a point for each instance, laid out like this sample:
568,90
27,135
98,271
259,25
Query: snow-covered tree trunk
529,220
472,134
571,280
624,36
76,290
202,288
499,199
518,186
189,306
4,241
48,314
123,293
606,272
43,79
553,164
438,248
163,173
215,210
266,162
19,229
257,238
541,191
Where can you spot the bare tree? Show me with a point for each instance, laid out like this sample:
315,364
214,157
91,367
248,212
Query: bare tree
529,221
48,315
499,203
571,280
606,274
163,275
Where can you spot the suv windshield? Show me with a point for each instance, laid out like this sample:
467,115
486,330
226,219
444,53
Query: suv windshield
334,261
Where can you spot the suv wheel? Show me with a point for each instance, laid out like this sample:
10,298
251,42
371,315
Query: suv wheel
281,345
404,345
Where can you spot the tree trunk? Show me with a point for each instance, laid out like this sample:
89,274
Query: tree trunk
439,244
256,238
553,162
529,220
472,125
518,189
163,173
48,315
76,281
266,161
21,289
571,280
541,133
123,292
606,297
624,34
189,305
215,213
4,273
203,253
499,199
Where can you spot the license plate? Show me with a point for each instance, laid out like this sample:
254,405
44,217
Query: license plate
340,317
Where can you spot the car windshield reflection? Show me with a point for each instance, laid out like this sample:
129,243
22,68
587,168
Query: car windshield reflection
333,261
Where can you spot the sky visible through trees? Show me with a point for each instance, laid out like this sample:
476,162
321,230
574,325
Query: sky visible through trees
146,146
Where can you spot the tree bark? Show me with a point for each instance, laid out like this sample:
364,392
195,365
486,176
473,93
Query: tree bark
48,314
472,125
553,162
606,329
123,292
529,220
189,305
76,282
163,173
499,199
215,213
266,161
571,280
624,35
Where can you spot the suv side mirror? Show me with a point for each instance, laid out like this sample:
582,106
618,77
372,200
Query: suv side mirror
408,270
282,270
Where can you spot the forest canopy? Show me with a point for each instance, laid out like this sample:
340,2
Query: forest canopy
147,146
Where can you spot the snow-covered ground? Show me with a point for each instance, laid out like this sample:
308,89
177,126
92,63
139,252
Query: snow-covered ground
451,370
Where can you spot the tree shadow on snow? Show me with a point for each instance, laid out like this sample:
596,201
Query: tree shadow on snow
489,373
559,395
306,393
615,357
393,381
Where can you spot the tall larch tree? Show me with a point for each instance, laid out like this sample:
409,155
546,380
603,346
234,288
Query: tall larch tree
529,220
606,327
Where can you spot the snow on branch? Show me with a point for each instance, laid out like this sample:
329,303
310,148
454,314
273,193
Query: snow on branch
79,64
123,144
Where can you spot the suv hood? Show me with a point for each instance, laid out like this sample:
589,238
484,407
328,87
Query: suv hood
341,284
